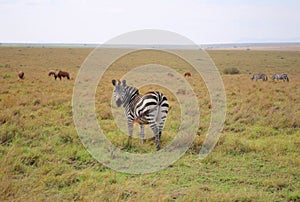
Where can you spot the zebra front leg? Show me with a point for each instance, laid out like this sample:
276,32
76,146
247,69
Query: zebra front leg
130,130
142,127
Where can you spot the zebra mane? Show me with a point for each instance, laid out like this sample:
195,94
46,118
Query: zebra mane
132,94
132,90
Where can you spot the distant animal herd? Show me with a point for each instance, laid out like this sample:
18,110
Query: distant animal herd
263,77
60,74
277,77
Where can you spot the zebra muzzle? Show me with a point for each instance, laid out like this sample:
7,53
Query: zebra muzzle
119,102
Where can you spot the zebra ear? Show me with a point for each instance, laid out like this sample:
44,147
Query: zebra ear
124,82
113,82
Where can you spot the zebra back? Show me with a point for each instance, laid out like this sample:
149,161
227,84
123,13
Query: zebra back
143,108
151,107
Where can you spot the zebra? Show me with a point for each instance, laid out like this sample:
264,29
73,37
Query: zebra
151,108
259,76
282,76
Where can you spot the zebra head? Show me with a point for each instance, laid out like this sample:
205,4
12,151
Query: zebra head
119,91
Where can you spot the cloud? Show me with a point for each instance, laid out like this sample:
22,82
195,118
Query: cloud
37,2
97,21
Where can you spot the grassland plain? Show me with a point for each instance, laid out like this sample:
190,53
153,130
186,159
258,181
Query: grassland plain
42,158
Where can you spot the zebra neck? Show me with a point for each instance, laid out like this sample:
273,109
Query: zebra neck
131,97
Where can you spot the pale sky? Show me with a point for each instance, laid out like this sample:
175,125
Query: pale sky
97,21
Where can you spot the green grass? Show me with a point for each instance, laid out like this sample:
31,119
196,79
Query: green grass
7,76
256,157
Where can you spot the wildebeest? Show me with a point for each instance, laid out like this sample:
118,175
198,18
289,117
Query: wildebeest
62,74
187,74
282,76
51,72
259,76
21,74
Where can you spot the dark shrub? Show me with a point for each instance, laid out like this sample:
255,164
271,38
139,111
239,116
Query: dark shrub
231,70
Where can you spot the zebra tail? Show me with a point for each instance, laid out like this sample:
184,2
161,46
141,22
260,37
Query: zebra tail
158,114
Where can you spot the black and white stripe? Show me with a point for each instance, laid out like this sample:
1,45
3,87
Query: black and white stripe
259,76
282,76
151,108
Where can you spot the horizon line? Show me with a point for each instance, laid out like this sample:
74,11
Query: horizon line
151,46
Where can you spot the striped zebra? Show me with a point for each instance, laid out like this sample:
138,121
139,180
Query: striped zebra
259,76
151,108
282,76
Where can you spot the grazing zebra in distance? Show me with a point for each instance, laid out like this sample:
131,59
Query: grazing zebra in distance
151,108
282,76
259,76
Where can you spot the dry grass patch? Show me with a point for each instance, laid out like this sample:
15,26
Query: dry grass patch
42,157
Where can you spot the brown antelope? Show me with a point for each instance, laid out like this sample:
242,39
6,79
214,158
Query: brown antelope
52,72
62,74
187,74
21,74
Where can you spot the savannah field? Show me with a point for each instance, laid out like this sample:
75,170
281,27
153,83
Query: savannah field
255,159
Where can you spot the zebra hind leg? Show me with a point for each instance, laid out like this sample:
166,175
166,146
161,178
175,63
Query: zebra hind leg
142,127
157,134
157,142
